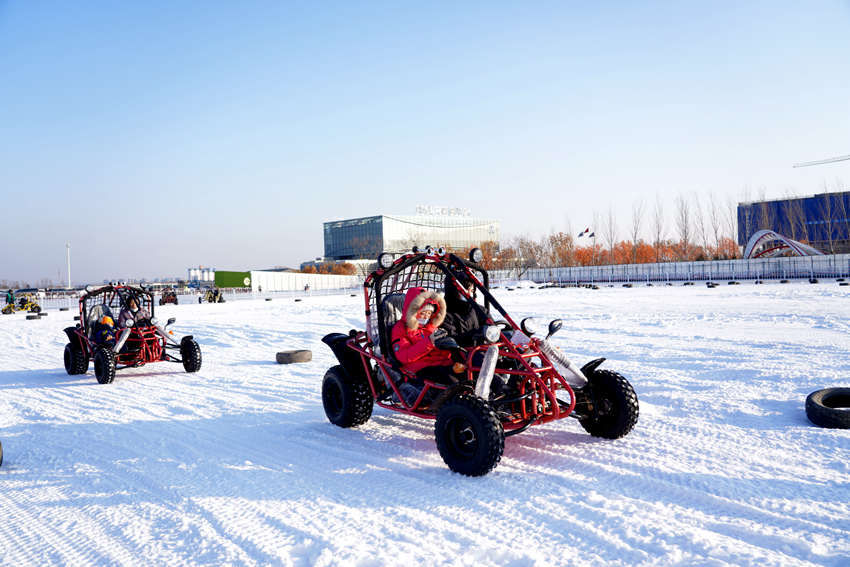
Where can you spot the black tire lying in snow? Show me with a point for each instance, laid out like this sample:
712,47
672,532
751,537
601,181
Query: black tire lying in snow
829,408
190,352
76,361
104,365
290,356
64,308
469,436
32,317
614,402
347,399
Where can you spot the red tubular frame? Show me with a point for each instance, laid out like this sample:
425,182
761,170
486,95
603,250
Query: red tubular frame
541,379
147,344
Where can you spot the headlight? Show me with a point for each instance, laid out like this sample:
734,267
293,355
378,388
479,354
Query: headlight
476,255
492,333
385,260
429,250
128,323
529,326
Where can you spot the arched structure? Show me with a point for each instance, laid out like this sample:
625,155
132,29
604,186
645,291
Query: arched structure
766,243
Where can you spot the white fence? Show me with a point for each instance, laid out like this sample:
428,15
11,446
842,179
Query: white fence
294,281
762,268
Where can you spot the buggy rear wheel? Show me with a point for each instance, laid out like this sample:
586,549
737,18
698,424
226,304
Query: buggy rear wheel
35,309
104,365
347,399
614,404
190,352
76,362
469,436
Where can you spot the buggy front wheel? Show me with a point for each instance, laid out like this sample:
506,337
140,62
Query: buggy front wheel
347,399
469,436
104,365
76,361
613,402
190,352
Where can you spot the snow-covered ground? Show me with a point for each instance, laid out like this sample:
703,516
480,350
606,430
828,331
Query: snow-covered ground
237,464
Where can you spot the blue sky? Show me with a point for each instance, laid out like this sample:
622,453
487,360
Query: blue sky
159,135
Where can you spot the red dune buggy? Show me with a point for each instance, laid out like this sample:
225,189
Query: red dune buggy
513,378
114,337
168,296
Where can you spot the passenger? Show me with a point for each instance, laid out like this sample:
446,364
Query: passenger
463,320
134,313
10,297
413,336
104,331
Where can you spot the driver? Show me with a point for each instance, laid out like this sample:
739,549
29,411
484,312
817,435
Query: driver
463,321
133,312
413,336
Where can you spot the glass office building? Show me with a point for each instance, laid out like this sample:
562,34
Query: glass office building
367,237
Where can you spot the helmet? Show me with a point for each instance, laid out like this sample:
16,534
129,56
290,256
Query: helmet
107,320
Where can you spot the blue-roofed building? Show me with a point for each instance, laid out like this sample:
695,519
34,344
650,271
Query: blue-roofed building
823,220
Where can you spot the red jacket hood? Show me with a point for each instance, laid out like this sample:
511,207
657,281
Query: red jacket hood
415,298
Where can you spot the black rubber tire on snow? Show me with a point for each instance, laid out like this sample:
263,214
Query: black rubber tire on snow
347,400
32,317
469,436
291,356
190,352
76,362
829,408
104,365
35,309
615,404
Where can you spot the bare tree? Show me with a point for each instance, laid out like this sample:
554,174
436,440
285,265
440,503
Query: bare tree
841,220
683,225
610,232
827,214
637,220
731,219
701,227
658,226
714,219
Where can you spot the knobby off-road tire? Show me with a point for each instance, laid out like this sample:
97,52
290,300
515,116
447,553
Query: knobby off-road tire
469,436
104,365
190,352
347,399
76,362
829,408
35,309
614,402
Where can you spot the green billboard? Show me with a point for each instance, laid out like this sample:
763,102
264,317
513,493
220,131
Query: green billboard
232,279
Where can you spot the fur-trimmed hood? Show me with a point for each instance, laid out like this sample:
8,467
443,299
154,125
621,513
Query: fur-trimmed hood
415,298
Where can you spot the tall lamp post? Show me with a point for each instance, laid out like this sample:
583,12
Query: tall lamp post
68,255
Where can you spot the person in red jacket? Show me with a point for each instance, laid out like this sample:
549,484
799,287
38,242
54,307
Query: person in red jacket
412,337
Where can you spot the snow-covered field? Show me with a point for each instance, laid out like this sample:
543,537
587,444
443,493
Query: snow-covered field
237,464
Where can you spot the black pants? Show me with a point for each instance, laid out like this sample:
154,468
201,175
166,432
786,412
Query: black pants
438,374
